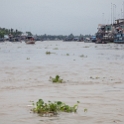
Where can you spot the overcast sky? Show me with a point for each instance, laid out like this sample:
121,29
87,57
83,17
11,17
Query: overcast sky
57,16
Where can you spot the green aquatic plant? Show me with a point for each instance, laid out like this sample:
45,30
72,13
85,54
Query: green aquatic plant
83,56
55,48
86,46
56,79
94,78
97,77
53,108
67,54
48,52
85,110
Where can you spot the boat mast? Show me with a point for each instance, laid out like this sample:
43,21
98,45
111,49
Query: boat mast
123,10
111,13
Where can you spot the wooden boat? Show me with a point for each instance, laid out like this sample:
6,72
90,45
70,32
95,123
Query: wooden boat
30,42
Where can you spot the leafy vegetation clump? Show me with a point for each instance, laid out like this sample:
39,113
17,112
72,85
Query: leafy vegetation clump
55,48
48,52
53,108
83,56
67,54
56,79
86,46
94,78
85,110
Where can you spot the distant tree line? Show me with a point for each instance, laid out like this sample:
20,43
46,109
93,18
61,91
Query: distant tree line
51,37
4,31
62,37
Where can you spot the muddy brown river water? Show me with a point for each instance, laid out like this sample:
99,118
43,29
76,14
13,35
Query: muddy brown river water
93,75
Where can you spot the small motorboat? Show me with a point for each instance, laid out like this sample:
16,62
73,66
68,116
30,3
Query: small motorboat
30,40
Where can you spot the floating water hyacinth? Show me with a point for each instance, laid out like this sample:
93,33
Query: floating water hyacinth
56,79
53,108
48,52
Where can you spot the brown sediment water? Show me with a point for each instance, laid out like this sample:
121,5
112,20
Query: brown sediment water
93,75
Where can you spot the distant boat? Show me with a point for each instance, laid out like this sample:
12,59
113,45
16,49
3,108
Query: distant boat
30,40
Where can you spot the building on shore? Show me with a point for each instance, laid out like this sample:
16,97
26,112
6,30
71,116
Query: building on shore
106,33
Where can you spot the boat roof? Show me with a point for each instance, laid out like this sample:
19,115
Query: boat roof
120,20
